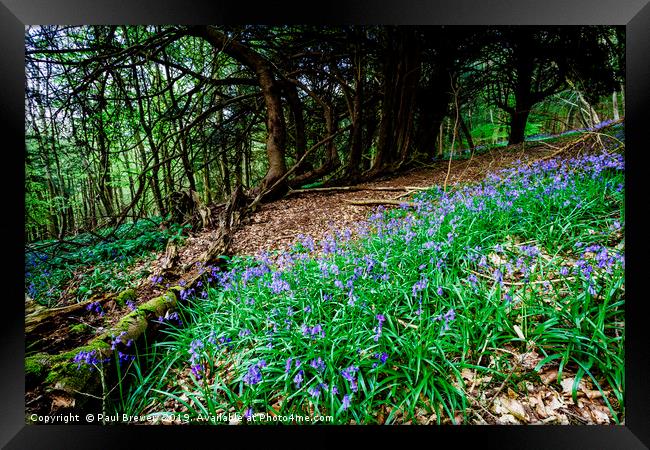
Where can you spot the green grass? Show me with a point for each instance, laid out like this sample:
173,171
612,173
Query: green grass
551,230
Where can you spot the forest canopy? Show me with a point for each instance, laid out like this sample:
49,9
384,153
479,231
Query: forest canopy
123,121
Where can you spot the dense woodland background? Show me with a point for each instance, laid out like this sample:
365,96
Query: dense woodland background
491,292
124,122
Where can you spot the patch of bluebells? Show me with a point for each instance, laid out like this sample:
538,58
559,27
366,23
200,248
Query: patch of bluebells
195,351
349,374
88,358
318,364
172,318
446,318
314,332
298,379
346,401
443,232
314,391
254,374
382,357
278,285
380,322
186,294
95,307
118,340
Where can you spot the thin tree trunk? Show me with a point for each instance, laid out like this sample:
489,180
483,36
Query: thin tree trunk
178,122
623,98
466,132
206,177
154,182
615,105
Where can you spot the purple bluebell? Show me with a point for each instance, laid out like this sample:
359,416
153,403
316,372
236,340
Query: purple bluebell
298,379
318,364
253,376
314,391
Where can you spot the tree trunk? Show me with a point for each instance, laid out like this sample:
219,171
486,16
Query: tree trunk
207,187
623,98
184,151
401,73
615,105
466,132
155,186
275,127
291,94
518,120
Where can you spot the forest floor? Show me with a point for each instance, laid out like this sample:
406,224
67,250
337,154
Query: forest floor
277,226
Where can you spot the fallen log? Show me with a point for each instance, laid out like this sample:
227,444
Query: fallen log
66,385
37,316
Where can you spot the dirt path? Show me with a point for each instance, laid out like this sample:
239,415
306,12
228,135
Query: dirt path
277,225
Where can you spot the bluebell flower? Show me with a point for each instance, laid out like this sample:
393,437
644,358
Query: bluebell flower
318,364
298,379
314,391
254,375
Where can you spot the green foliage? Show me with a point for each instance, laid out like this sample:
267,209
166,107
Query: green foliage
86,269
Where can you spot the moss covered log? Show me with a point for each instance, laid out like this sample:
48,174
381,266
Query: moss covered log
68,384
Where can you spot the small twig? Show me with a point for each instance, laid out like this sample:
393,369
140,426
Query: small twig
378,201
480,405
34,400
410,325
494,396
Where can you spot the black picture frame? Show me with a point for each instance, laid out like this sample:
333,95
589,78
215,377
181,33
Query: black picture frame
15,14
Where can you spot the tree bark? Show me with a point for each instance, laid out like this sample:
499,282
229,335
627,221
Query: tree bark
615,105
466,132
400,78
518,120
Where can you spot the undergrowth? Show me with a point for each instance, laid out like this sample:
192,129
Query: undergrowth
90,264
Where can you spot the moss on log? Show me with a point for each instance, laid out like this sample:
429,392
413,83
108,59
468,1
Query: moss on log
125,296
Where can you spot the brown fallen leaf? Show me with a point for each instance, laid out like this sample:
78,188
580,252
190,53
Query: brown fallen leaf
62,402
507,419
515,408
530,360
548,376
